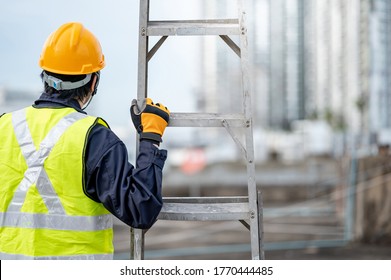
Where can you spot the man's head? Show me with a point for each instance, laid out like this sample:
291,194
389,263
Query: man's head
71,59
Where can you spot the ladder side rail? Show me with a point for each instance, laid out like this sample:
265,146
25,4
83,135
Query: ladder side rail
142,81
137,244
255,222
137,235
260,225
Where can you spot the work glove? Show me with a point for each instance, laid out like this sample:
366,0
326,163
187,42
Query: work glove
149,119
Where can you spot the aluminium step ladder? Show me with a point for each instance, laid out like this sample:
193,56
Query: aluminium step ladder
248,209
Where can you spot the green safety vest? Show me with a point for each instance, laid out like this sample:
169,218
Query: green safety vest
44,212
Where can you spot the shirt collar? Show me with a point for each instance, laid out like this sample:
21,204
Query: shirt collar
53,101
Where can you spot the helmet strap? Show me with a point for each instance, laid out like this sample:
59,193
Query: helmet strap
87,103
64,85
94,90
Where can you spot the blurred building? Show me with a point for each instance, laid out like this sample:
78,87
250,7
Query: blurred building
220,65
11,100
380,65
314,66
311,59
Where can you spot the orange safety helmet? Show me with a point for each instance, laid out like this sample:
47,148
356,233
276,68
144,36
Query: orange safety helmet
72,50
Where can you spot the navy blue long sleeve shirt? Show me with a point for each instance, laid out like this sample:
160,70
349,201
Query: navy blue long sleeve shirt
132,194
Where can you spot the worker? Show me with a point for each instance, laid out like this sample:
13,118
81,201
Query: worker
64,173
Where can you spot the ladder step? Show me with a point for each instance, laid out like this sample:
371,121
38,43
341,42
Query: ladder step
193,27
206,120
206,199
205,209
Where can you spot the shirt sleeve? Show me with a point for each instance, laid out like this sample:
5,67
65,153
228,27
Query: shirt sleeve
132,194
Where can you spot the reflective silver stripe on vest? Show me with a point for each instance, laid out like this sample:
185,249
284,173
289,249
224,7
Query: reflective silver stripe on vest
35,160
58,222
4,256
35,173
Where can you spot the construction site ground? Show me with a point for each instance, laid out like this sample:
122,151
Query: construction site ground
205,241
299,208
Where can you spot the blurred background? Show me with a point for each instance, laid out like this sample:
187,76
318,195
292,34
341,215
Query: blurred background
321,100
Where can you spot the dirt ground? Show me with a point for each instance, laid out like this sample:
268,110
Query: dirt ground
299,207
350,252
203,241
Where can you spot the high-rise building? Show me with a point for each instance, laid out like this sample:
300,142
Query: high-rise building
325,59
380,64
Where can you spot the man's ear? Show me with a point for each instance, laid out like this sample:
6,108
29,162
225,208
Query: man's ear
93,84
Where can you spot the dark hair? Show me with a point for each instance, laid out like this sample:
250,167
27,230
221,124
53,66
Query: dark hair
77,93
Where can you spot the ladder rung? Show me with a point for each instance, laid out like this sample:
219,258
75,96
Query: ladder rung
193,27
206,120
206,199
204,211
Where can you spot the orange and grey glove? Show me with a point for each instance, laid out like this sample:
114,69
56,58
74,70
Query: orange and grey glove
149,119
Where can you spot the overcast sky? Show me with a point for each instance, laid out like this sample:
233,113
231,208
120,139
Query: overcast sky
25,25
